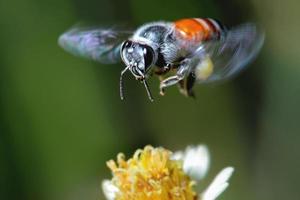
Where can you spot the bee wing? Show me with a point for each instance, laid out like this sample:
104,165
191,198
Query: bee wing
99,44
233,52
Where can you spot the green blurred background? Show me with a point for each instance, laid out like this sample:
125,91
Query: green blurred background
61,116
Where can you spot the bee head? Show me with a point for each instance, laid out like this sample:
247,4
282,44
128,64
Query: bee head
138,58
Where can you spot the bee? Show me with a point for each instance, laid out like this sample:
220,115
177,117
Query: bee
184,52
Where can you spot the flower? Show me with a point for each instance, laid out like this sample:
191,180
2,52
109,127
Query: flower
158,174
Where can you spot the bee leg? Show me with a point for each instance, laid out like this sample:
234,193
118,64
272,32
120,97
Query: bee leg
190,84
181,87
186,86
172,80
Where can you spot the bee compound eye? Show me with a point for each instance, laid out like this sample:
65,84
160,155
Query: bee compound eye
126,44
148,55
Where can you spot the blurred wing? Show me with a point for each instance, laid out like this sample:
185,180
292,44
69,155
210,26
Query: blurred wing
99,44
233,52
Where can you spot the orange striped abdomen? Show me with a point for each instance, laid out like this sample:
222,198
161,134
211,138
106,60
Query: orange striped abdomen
197,29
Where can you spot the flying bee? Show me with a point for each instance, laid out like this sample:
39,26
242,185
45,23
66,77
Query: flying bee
184,52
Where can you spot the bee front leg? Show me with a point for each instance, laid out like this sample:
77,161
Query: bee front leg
172,80
181,87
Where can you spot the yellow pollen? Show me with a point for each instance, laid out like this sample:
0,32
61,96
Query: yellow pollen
151,175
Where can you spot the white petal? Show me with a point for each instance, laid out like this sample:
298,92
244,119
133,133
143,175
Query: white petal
218,185
177,155
196,162
109,190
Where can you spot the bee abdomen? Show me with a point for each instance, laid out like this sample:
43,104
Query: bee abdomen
198,29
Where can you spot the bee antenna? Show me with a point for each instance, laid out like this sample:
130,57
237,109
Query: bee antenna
148,91
121,83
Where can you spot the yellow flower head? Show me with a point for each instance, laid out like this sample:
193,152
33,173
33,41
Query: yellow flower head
151,175
158,174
